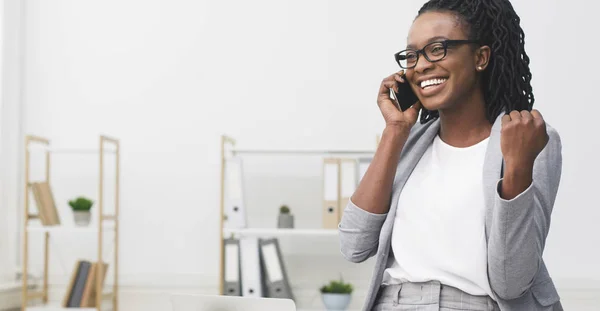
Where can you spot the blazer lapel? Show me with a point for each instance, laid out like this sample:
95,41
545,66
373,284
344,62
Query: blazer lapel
411,154
492,166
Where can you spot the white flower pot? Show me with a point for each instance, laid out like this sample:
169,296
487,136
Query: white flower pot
82,218
336,302
285,221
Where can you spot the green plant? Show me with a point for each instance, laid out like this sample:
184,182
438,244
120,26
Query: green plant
337,287
81,204
284,209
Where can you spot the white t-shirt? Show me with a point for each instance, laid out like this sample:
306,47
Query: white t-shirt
439,228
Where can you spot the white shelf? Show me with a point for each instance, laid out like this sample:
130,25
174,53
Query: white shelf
92,228
279,232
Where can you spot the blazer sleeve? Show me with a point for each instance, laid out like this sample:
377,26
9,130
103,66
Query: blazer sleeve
520,225
359,233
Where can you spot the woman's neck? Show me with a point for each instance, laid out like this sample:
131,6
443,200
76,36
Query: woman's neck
466,123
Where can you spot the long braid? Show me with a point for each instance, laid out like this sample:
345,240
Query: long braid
507,80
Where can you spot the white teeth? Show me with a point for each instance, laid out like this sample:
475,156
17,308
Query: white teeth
430,82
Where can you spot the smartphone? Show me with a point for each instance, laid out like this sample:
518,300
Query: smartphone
405,97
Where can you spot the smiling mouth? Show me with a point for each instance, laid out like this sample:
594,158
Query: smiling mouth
432,82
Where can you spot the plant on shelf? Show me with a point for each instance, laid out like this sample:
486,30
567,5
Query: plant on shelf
286,219
81,207
336,295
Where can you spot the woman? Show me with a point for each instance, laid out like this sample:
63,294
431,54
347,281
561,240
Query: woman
456,208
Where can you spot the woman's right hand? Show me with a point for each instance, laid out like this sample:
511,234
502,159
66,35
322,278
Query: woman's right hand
393,116
375,188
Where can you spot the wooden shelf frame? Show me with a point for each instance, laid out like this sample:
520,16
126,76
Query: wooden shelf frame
28,295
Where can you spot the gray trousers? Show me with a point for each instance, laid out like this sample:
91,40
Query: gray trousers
429,296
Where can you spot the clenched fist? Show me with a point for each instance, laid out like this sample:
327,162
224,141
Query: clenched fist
523,137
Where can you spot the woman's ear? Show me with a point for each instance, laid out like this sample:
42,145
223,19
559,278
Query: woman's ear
482,57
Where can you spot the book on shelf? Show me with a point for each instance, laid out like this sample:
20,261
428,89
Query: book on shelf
82,290
89,293
44,200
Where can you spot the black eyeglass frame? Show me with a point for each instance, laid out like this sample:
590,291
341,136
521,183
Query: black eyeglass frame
445,44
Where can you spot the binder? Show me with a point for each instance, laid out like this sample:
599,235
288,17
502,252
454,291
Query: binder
331,193
349,183
275,275
235,209
252,282
232,286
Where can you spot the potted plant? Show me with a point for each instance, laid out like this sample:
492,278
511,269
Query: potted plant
285,220
81,210
336,295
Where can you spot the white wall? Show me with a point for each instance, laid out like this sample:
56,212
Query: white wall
10,135
169,77
4,262
160,77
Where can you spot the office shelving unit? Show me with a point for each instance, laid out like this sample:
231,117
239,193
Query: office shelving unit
102,228
228,149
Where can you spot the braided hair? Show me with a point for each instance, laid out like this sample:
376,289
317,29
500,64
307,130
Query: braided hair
507,81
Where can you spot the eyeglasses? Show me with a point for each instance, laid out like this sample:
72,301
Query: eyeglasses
433,52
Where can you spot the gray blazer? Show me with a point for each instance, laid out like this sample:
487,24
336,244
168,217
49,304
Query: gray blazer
515,229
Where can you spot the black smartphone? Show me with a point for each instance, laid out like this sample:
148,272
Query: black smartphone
405,97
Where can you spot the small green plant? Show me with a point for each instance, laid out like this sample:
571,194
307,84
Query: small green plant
337,287
81,204
284,209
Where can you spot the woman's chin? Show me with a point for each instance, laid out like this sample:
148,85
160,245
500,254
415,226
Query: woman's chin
435,103
431,106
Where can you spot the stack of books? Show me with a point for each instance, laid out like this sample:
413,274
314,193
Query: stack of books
81,292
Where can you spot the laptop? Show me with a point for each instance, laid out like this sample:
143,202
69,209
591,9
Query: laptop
193,302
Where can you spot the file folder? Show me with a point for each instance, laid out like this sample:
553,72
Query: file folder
276,279
349,183
331,193
252,283
232,286
235,209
